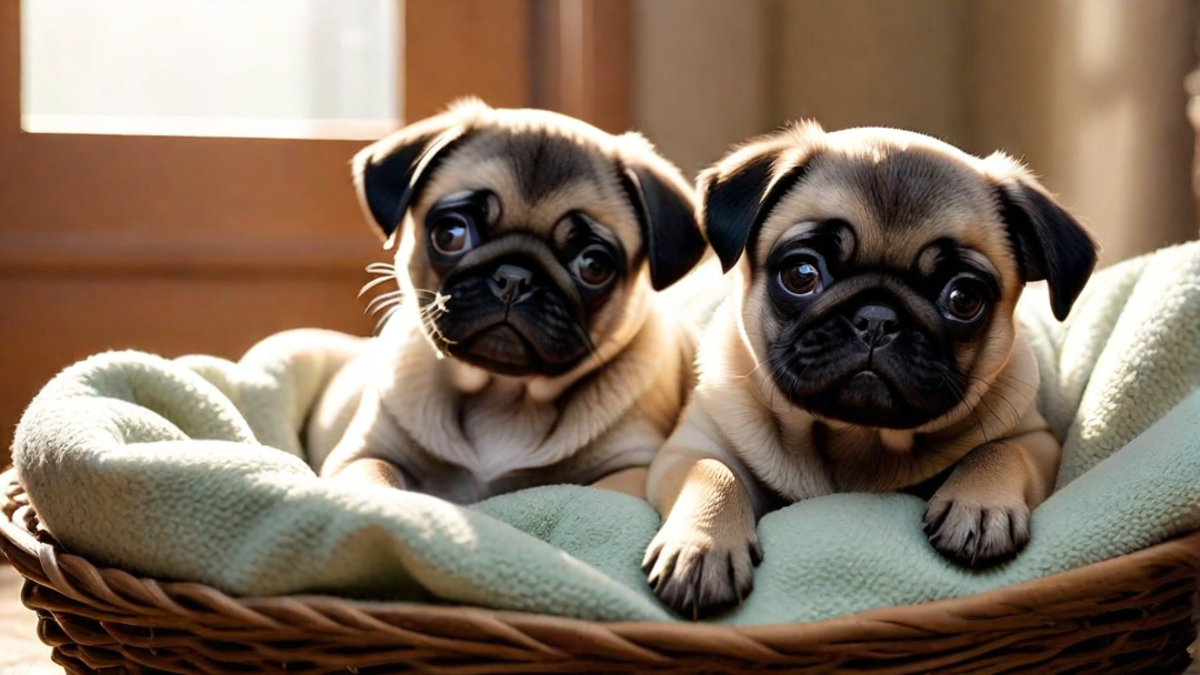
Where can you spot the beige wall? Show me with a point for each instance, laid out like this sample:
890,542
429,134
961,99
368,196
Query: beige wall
871,62
1088,92
1097,108
700,75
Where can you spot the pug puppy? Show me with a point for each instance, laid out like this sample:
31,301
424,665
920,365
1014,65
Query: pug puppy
525,344
869,345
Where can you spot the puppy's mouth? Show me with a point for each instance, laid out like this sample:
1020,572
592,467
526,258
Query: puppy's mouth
500,349
511,318
901,383
865,398
867,391
504,349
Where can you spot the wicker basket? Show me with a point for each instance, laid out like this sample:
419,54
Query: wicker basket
1128,615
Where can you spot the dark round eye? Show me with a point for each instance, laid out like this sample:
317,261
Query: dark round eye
802,278
451,234
964,300
594,267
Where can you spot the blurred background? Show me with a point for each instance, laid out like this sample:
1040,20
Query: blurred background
174,175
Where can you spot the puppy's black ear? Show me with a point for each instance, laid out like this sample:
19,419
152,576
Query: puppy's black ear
389,174
666,211
1048,243
738,193
731,201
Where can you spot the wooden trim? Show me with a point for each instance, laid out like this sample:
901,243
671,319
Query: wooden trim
545,58
10,69
456,48
211,127
609,64
215,186
583,60
138,254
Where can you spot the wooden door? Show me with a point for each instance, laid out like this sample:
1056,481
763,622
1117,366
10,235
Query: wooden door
178,245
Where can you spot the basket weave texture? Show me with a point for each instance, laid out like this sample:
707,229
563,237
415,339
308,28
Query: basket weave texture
1132,614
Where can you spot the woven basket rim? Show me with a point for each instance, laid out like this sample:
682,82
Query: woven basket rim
55,568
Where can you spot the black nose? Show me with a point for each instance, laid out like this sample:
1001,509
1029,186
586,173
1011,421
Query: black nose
511,283
875,324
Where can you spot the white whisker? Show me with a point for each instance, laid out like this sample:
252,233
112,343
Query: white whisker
383,319
429,314
381,268
381,303
374,283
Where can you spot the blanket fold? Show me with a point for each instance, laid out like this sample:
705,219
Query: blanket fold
193,469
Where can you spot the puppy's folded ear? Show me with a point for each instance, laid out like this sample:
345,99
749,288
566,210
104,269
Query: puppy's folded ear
1048,243
739,192
389,174
666,211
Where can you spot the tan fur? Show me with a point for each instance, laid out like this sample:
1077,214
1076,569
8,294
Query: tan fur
630,481
468,433
758,449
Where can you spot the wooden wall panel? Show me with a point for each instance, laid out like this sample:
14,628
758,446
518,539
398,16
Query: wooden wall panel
51,322
215,186
75,253
609,64
869,63
456,48
700,90
583,60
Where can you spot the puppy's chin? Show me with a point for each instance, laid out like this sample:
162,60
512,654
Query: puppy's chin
539,335
499,349
866,399
831,373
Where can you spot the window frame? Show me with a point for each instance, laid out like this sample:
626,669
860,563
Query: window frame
206,244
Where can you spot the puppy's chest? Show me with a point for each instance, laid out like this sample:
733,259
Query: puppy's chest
505,430
864,460
506,437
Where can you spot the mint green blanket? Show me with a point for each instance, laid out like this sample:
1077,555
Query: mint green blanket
192,469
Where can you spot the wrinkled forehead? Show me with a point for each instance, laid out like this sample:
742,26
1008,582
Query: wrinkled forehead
538,178
896,202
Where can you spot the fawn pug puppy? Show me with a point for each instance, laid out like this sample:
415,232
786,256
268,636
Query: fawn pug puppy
869,345
525,345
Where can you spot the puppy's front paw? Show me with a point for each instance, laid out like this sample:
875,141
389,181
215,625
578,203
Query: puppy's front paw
699,571
975,534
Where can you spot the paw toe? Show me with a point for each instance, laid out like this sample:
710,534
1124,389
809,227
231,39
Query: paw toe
977,536
699,580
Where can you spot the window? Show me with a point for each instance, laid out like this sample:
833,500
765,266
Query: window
243,68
